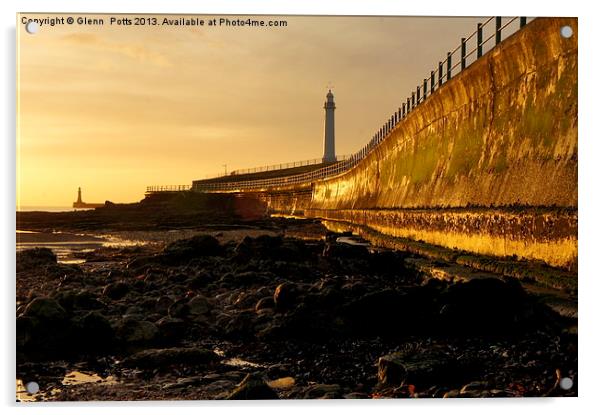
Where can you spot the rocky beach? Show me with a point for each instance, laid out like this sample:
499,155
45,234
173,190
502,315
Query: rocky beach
249,307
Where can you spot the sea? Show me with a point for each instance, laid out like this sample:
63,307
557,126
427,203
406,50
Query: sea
45,209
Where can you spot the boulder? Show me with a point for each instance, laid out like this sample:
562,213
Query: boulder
34,258
162,304
187,249
199,305
265,302
199,280
45,309
94,332
285,296
87,300
179,309
490,306
116,290
417,367
133,331
171,329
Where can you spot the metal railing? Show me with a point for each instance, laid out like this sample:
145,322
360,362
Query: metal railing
440,75
168,188
281,166
308,177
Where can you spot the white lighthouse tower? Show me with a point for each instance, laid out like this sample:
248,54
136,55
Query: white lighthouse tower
329,154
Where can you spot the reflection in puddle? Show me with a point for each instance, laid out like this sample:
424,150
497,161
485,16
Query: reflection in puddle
235,361
78,378
66,246
22,394
282,383
352,240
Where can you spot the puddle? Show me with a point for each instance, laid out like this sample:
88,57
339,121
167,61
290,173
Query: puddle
77,378
352,240
282,383
23,395
235,361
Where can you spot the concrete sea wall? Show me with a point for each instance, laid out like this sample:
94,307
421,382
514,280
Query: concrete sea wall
486,164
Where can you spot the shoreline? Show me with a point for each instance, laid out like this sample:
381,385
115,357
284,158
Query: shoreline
225,314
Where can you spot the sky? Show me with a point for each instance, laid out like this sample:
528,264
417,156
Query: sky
113,109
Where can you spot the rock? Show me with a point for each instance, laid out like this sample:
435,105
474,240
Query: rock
199,305
116,290
285,296
199,281
66,298
454,393
321,391
244,249
45,309
239,324
179,309
141,263
87,300
94,332
25,327
45,330
420,368
265,302
162,304
161,358
197,246
34,258
171,329
490,306
278,370
372,313
252,387
132,331
476,389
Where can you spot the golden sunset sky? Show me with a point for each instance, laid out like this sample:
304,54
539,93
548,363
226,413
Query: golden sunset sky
114,109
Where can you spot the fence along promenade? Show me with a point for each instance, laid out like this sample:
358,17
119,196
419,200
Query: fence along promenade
445,70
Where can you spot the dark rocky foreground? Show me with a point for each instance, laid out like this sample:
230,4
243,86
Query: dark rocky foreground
275,317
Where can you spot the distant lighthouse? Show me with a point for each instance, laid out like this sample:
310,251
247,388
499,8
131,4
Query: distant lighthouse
329,154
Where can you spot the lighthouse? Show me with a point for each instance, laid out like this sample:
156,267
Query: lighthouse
329,154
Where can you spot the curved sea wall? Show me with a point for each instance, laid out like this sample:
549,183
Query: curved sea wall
467,167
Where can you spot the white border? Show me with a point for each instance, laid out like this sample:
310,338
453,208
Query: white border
590,232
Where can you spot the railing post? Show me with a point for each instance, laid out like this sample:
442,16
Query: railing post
417,94
498,30
523,21
403,110
424,88
408,109
463,54
449,66
413,99
399,114
440,81
432,82
479,40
